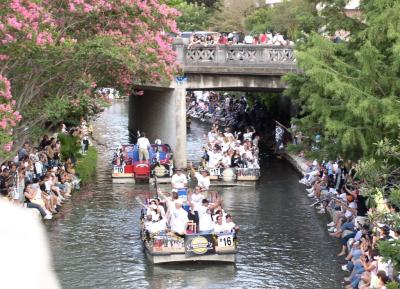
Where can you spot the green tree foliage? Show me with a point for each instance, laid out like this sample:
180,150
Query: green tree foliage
382,174
86,166
231,16
70,147
290,18
349,91
194,16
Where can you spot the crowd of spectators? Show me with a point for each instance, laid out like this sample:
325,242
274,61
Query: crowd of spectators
227,110
38,178
233,38
225,149
232,141
336,190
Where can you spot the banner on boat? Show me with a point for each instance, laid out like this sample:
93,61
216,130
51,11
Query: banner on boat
196,245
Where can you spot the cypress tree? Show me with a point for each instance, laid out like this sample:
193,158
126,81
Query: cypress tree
349,91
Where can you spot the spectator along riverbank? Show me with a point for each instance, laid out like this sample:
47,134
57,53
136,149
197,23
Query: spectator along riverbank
335,190
43,177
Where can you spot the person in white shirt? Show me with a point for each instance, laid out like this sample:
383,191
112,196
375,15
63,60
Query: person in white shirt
179,180
152,211
229,225
144,146
179,218
160,208
203,180
278,39
219,226
206,224
155,226
226,160
248,135
212,136
196,198
214,158
248,39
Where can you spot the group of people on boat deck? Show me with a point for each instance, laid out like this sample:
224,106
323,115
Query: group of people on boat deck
228,150
201,212
336,189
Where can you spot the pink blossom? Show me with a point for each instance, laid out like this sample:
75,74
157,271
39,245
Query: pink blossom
8,146
72,7
3,124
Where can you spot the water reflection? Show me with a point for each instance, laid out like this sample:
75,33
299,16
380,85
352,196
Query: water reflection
283,242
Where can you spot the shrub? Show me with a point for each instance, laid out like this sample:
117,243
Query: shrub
86,166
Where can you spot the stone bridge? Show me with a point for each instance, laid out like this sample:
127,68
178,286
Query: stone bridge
236,67
161,111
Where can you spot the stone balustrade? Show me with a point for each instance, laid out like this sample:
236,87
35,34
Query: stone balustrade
235,55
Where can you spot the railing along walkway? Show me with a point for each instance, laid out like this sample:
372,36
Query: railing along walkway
236,55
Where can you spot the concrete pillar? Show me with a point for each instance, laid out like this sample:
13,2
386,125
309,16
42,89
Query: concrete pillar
179,94
161,113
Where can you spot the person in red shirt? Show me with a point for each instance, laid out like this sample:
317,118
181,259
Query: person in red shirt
222,39
263,38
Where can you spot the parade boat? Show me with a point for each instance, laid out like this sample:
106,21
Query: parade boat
127,168
167,247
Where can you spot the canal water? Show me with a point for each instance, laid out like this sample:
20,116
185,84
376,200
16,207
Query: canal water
283,242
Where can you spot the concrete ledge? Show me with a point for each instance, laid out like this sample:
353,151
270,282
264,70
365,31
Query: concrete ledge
300,165
297,162
241,69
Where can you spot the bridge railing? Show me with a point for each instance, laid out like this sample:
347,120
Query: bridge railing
235,55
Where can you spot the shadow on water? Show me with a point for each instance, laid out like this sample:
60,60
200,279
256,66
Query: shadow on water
283,242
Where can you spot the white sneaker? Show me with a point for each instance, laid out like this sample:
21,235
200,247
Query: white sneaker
344,268
320,207
302,181
310,190
48,216
310,195
322,211
331,229
331,224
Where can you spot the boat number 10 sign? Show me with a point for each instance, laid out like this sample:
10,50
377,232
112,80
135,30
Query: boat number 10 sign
118,169
225,240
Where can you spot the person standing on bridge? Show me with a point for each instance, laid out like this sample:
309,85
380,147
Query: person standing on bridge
144,146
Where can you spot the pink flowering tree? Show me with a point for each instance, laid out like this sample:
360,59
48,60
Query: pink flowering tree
53,54
9,117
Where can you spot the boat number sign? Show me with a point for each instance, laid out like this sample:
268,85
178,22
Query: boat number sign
118,169
199,245
225,240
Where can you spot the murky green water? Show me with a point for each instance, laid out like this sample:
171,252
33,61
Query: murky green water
283,242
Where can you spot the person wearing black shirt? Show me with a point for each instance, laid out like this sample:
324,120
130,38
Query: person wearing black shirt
3,181
362,209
